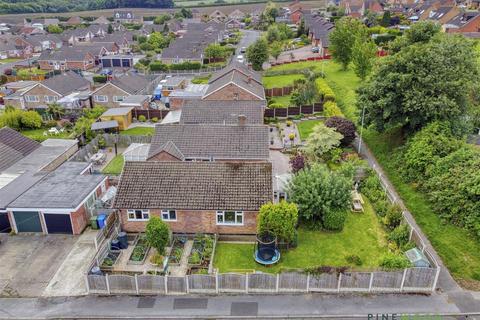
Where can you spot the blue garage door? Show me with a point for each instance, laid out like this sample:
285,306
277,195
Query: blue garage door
27,221
4,223
58,223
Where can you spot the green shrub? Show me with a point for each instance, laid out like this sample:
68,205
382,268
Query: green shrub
276,105
158,66
354,259
393,217
381,206
99,78
399,235
334,220
393,261
154,119
324,90
186,66
142,118
331,109
279,219
157,233
50,123
31,119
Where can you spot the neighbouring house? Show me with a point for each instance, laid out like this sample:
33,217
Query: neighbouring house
212,142
319,30
443,14
45,22
101,20
41,94
467,23
217,15
99,50
194,197
74,21
14,146
81,35
126,17
235,82
296,12
30,31
62,202
170,84
39,43
122,115
189,93
67,58
9,48
112,93
222,112
16,179
122,39
237,15
231,24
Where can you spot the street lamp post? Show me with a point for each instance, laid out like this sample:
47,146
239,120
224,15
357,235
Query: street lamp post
361,131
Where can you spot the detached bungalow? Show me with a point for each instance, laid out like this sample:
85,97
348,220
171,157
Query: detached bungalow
62,202
113,93
67,58
207,197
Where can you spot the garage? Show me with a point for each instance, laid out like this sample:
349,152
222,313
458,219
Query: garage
4,223
58,223
27,221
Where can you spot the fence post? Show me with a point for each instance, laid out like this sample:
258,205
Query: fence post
166,284
339,282
186,284
136,284
216,282
246,282
371,282
403,279
277,285
308,282
411,231
108,283
436,279
87,284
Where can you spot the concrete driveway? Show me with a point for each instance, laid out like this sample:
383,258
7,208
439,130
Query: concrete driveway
28,262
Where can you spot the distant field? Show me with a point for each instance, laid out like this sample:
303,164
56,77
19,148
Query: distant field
231,5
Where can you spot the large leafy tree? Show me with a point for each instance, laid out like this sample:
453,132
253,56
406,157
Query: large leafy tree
420,32
214,52
157,233
363,57
319,192
279,219
343,126
421,83
321,141
257,53
342,38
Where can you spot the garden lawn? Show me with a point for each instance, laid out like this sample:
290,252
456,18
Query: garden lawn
115,166
459,250
9,60
283,100
139,131
201,79
281,80
306,127
362,235
37,134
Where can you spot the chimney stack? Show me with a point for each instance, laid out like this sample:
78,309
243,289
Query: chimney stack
242,120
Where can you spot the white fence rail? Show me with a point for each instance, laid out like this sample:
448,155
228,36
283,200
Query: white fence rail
409,280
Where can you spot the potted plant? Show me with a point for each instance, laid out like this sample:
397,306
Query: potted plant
291,136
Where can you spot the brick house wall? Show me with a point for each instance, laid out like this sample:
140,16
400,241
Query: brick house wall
79,220
194,221
231,92
41,92
296,16
87,63
471,26
109,90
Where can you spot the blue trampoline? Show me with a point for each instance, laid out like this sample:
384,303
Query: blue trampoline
266,251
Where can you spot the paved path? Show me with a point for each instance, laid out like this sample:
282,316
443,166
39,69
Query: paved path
463,298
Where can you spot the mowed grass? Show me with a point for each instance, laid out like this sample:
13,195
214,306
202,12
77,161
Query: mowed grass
306,127
281,80
283,100
139,131
115,166
459,250
362,236
37,134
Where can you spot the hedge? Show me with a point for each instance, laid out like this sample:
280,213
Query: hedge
158,66
324,90
330,109
100,78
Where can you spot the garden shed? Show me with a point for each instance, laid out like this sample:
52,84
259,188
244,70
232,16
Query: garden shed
417,258
122,115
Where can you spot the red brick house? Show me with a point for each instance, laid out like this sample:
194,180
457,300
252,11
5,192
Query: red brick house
192,197
67,58
113,93
295,12
467,23
62,202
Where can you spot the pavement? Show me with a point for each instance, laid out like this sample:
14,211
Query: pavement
248,37
227,306
280,162
28,262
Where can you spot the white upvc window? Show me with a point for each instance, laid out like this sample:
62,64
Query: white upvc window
31,99
50,99
169,215
118,98
100,98
230,218
138,215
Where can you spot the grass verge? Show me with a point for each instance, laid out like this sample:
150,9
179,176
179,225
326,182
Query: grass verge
139,131
115,166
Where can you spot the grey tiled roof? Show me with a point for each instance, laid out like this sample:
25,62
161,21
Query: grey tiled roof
170,148
238,67
221,112
78,53
131,83
213,141
14,146
194,185
239,79
66,83
63,188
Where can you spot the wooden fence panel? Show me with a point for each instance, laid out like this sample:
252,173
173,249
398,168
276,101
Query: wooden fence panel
231,282
120,283
293,111
293,281
97,284
176,285
281,112
151,284
261,282
353,281
323,282
387,281
419,279
202,283
306,110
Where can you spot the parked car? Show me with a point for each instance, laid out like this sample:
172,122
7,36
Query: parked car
316,50
106,72
243,49
240,58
